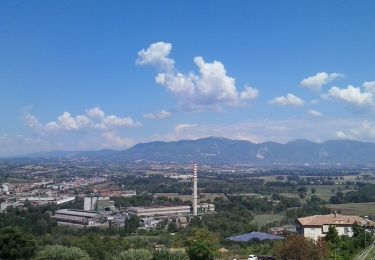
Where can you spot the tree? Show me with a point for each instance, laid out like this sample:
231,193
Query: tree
170,255
131,224
134,254
57,252
313,190
357,229
332,236
15,244
202,245
300,248
172,227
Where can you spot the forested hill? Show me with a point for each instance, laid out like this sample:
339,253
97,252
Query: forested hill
216,150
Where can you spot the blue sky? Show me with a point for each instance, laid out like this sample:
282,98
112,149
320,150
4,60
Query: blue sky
82,75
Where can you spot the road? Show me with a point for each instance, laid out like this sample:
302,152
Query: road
365,252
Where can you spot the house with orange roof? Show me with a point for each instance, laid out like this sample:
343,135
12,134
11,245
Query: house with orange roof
317,226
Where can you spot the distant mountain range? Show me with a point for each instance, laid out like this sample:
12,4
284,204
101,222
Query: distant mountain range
215,150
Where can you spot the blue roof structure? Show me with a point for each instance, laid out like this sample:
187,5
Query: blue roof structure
254,235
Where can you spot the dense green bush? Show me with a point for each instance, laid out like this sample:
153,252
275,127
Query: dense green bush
134,254
15,244
59,252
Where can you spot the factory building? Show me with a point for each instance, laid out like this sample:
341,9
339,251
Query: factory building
195,190
163,211
205,208
152,211
129,193
97,203
76,217
46,200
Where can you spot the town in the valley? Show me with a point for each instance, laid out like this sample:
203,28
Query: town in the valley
256,212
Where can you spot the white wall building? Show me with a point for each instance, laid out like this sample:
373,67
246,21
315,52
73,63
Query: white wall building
317,226
152,211
76,217
205,208
44,200
97,203
90,203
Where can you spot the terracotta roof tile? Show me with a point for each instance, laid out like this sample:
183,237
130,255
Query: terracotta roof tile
334,219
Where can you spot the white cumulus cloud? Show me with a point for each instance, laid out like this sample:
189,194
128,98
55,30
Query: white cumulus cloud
288,100
95,118
341,135
363,130
314,113
115,121
68,122
113,140
366,130
316,82
156,54
352,95
181,127
249,93
95,112
369,86
212,86
162,114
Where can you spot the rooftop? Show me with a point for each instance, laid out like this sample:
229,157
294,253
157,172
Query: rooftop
78,213
254,236
334,219
159,207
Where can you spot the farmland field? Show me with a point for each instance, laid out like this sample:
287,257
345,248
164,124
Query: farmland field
361,209
264,219
325,191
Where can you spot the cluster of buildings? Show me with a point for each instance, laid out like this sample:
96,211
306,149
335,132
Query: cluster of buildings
48,186
99,210
39,191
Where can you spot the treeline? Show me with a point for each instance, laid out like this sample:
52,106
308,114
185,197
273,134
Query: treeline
313,206
16,244
365,193
153,184
34,220
146,200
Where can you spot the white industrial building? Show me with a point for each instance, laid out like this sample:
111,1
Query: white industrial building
205,208
45,200
5,204
97,203
154,211
129,193
317,226
5,188
150,223
76,217
151,211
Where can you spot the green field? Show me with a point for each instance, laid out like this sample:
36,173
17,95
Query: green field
289,195
264,219
325,191
360,209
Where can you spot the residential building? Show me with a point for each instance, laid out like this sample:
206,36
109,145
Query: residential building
317,226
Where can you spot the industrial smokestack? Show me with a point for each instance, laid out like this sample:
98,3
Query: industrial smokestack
195,190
